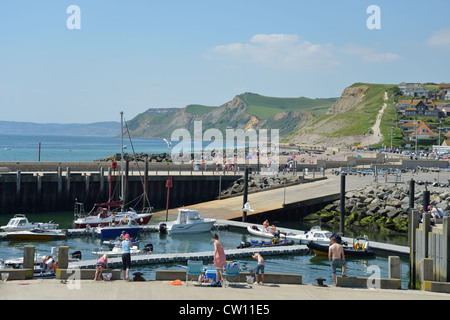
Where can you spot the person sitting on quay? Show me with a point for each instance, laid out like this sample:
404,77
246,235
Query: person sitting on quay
102,264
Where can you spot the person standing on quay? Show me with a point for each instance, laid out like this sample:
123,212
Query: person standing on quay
219,258
337,257
126,257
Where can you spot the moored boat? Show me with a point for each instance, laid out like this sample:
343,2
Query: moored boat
264,232
103,216
360,248
117,251
274,243
37,234
20,223
188,221
315,234
114,230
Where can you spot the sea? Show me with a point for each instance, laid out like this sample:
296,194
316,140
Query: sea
27,147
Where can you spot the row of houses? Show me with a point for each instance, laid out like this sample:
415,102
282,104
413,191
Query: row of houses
423,107
418,90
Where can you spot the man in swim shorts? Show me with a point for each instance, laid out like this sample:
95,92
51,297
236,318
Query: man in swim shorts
337,257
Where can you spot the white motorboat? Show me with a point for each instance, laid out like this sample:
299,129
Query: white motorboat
188,221
117,250
315,234
20,223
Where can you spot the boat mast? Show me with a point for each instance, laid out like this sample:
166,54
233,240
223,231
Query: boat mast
121,162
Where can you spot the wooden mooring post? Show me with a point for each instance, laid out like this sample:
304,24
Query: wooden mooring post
430,248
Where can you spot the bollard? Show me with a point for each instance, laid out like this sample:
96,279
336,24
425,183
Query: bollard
411,193
63,257
342,205
28,261
395,268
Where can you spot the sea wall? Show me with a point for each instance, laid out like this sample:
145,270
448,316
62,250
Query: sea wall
379,208
57,191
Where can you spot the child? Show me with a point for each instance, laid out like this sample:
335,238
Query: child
259,268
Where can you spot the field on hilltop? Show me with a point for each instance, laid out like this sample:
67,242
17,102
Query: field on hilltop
244,111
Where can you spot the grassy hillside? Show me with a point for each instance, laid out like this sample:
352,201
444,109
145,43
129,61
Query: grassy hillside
245,111
266,107
351,126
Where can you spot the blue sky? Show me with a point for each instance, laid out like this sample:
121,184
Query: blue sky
136,55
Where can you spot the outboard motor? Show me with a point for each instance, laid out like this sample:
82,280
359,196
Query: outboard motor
148,248
76,255
162,228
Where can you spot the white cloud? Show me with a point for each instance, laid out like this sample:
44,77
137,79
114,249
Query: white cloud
278,51
369,54
440,38
290,52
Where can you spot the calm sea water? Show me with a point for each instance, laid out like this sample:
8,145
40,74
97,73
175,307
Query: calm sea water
307,265
21,147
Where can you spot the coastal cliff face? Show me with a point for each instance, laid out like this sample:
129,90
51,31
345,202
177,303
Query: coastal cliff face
347,121
350,98
235,114
328,122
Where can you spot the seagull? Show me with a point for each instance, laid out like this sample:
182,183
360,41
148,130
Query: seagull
169,144
247,207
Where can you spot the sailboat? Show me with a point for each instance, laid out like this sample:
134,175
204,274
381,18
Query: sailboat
102,215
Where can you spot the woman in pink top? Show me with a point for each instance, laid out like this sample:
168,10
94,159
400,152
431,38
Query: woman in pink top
219,258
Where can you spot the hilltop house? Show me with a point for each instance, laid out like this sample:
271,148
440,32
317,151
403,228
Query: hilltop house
414,90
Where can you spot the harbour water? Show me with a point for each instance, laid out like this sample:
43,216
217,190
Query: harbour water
307,265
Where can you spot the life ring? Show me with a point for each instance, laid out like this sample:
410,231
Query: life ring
356,246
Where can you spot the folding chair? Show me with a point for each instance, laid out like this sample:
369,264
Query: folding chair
231,273
194,268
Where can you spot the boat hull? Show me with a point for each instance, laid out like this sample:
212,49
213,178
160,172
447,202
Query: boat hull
258,232
190,227
28,236
83,223
321,249
266,244
113,232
